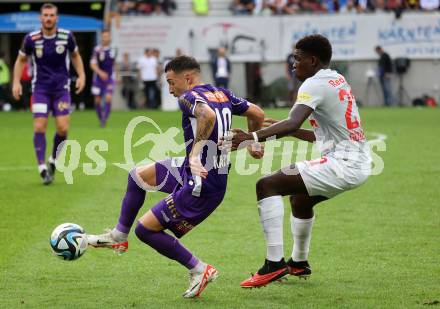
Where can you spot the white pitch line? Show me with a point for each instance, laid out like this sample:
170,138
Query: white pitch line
380,137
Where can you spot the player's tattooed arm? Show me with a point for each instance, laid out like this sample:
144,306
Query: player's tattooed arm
255,117
205,124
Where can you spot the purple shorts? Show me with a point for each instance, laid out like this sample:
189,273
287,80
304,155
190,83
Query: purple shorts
100,87
181,211
57,102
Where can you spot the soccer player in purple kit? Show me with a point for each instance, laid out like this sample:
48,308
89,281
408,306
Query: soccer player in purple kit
50,49
196,184
102,64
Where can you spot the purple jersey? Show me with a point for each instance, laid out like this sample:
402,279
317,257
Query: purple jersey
104,57
225,104
50,56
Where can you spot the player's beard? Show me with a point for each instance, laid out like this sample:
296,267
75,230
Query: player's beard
49,26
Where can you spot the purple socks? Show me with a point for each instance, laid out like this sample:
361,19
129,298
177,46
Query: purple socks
98,111
166,245
107,107
57,140
40,147
132,202
103,114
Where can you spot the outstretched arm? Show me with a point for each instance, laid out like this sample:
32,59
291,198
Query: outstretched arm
302,134
205,124
289,126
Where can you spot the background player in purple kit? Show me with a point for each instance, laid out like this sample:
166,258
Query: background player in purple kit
196,183
102,64
50,49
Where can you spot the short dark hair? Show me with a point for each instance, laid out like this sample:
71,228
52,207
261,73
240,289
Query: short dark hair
48,6
316,45
182,63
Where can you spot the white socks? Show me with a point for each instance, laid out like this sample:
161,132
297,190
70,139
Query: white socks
199,268
271,210
301,234
51,160
118,235
42,167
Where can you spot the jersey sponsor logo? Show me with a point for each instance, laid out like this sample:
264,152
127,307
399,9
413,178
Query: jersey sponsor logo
101,56
184,226
39,42
304,97
63,30
221,161
63,106
336,82
165,217
64,42
40,108
186,103
171,206
39,51
60,49
216,96
62,36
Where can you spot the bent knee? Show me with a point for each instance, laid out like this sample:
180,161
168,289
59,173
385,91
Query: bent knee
265,184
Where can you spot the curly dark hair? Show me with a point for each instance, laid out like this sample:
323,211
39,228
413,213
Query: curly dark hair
316,45
182,63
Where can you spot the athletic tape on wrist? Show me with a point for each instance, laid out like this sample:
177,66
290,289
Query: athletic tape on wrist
254,134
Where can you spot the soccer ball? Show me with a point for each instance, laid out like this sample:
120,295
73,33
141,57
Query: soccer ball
68,241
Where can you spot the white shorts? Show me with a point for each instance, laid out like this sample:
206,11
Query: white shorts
329,176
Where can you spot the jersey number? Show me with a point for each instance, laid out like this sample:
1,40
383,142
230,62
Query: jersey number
344,94
223,121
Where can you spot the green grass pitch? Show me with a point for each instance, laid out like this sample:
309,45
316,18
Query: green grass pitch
374,247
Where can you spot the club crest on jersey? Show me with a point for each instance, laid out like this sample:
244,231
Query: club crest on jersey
60,49
39,51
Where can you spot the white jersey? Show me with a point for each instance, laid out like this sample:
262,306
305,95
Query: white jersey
335,118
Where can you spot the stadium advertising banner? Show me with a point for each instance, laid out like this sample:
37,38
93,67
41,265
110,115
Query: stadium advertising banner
354,36
270,39
246,38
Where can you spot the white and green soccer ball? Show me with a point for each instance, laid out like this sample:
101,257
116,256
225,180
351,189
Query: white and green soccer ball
68,241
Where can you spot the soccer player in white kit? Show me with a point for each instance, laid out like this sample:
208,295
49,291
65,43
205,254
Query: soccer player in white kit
327,100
